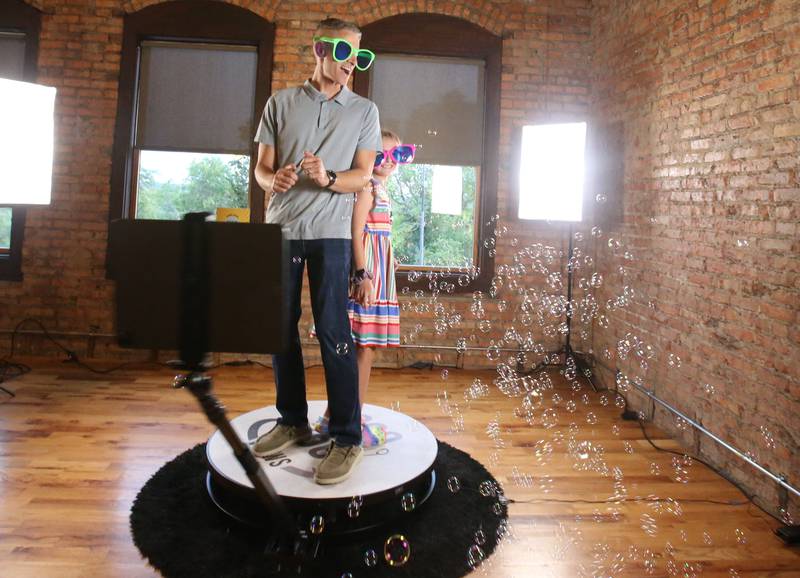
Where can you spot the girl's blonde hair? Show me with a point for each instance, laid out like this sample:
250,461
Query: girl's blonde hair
386,133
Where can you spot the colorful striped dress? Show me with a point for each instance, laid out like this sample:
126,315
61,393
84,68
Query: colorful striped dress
379,324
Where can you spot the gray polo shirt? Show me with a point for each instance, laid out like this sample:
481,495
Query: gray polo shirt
303,119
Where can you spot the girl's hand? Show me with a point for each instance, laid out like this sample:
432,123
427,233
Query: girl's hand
363,293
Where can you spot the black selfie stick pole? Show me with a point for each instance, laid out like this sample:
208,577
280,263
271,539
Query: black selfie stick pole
195,297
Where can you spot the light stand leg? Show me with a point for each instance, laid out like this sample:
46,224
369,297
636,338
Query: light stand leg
581,364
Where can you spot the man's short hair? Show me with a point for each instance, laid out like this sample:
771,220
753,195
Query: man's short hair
335,24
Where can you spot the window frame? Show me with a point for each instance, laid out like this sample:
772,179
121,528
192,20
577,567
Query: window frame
17,16
405,269
200,21
421,34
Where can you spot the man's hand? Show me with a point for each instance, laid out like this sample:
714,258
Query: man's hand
363,293
314,169
284,179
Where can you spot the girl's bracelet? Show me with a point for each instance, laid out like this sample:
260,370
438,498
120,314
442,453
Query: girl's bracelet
360,275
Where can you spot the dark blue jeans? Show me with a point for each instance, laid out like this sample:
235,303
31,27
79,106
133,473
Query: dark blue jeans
328,263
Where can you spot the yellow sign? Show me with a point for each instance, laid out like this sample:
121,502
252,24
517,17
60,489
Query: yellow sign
233,215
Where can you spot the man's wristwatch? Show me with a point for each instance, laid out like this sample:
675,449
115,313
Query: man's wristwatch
332,179
360,275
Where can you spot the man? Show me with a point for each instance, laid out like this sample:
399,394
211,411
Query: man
317,147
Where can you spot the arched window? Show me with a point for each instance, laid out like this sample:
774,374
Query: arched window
436,82
195,76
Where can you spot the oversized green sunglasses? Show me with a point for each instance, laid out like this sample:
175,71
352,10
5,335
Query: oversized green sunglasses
343,50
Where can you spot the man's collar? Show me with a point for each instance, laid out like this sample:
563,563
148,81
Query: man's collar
341,97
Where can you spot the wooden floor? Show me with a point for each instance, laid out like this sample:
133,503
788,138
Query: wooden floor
75,449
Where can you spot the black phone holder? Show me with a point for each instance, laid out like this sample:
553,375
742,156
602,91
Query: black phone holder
173,292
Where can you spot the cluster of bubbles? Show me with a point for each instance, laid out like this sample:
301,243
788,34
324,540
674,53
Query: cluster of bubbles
517,324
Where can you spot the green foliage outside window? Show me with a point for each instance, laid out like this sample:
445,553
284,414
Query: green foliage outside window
421,237
5,228
211,183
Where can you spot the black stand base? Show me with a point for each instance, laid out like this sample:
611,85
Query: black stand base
340,520
581,361
789,534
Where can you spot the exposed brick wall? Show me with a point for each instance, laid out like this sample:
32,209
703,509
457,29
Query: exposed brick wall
708,92
545,75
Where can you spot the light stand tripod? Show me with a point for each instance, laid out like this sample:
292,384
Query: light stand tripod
581,361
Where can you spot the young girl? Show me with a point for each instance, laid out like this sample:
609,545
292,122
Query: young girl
373,308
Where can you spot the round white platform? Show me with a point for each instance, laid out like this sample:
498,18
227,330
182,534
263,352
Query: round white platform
410,450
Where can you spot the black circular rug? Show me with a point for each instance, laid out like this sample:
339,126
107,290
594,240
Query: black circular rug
183,534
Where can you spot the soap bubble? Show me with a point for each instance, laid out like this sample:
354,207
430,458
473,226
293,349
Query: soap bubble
445,374
353,509
741,538
342,349
475,556
769,440
649,525
549,418
487,488
453,484
296,260
600,198
480,538
542,450
317,525
742,243
396,550
370,558
408,501
591,418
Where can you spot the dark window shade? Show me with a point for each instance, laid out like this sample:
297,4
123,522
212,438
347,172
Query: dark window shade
196,97
12,55
434,102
